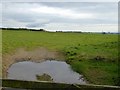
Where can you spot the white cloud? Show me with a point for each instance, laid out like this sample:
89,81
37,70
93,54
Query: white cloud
67,13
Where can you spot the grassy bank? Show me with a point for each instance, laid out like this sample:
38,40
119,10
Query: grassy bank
93,55
98,63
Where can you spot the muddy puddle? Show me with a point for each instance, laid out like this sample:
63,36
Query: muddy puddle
55,71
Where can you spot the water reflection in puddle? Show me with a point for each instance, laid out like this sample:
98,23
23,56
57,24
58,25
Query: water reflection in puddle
58,70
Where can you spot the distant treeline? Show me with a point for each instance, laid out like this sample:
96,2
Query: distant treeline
25,29
43,30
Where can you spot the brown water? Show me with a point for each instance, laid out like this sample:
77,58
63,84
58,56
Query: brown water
59,71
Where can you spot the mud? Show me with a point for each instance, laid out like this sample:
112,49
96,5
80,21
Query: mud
37,55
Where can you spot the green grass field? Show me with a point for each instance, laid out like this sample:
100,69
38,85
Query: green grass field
93,55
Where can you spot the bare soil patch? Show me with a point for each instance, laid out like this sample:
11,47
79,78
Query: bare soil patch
37,55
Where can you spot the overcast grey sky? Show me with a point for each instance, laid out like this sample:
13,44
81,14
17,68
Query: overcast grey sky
60,0
83,16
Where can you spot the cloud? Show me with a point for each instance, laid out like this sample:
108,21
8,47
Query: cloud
35,25
60,1
13,23
39,23
83,28
18,12
67,13
58,15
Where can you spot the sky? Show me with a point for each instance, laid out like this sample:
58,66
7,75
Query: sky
60,0
61,16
